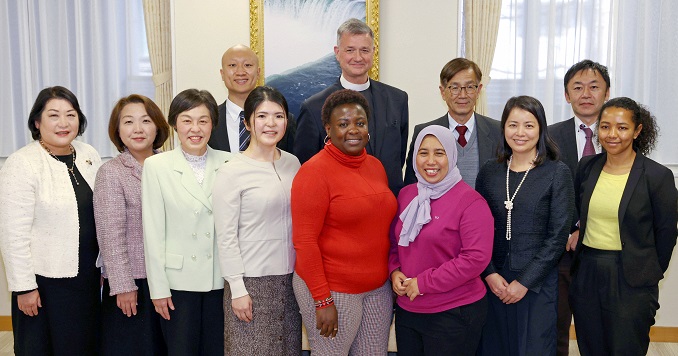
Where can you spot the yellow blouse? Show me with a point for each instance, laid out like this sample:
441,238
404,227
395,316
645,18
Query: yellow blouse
602,229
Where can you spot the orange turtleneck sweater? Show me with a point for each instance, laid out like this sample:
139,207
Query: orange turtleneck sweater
342,209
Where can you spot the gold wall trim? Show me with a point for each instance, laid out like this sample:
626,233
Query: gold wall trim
257,34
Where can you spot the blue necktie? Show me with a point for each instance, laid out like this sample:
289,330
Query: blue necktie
244,134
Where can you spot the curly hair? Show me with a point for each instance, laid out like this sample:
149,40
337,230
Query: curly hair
341,97
647,139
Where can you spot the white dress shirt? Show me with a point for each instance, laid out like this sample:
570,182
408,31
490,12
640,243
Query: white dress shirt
470,125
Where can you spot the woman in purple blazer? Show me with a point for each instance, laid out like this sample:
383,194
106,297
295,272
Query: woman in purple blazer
130,324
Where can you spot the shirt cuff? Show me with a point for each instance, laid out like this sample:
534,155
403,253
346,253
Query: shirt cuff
237,286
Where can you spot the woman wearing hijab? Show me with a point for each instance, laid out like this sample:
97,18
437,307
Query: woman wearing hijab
440,243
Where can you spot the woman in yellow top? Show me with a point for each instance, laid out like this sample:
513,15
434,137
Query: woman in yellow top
628,209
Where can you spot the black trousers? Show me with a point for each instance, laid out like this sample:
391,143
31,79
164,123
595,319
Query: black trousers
564,313
135,335
196,326
610,317
69,322
451,332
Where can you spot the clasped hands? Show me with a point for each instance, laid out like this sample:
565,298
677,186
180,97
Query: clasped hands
508,293
402,285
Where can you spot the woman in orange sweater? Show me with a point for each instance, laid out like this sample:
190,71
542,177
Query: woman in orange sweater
342,209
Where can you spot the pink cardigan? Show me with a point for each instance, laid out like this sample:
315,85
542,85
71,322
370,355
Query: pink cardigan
117,210
449,253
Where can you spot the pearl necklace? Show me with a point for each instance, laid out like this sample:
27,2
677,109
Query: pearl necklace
508,203
72,167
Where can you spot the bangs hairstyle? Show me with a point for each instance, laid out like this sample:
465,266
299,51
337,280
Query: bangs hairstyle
341,97
189,99
260,95
647,138
546,147
457,65
47,94
153,111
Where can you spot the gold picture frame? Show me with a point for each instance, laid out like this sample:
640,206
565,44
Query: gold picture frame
257,34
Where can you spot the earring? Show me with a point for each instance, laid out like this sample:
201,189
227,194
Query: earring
327,140
368,137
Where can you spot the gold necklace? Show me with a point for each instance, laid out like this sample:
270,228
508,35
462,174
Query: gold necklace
72,167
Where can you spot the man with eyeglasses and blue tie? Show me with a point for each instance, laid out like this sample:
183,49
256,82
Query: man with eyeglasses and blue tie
477,135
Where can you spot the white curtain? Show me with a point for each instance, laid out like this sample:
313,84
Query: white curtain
481,22
158,24
95,48
537,42
637,40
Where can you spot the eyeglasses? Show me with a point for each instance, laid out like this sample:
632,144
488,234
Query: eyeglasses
470,89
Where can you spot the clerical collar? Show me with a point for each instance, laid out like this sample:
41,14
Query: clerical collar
357,87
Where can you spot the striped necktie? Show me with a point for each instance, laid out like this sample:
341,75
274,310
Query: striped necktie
244,134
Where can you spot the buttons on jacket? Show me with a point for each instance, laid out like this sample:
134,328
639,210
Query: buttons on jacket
194,258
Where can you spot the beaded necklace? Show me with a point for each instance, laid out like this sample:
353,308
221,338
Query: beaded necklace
72,167
508,203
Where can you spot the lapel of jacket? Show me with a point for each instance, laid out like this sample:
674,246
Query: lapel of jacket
188,180
484,140
570,143
130,162
634,176
211,168
590,184
379,118
223,128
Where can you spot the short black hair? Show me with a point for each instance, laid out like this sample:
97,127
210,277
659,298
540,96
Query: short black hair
647,138
546,147
189,99
584,65
341,97
47,94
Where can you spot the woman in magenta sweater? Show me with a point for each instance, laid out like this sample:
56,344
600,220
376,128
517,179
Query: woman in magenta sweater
341,212
440,243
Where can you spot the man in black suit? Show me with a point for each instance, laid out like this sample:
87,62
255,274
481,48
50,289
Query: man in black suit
388,121
240,72
587,87
477,136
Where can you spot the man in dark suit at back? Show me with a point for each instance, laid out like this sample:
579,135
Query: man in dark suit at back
477,135
240,72
388,121
587,87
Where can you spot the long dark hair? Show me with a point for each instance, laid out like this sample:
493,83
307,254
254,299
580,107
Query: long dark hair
546,147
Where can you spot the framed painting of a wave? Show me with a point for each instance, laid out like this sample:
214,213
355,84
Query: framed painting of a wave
295,39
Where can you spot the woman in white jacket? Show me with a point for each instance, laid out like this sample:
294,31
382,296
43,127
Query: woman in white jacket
47,232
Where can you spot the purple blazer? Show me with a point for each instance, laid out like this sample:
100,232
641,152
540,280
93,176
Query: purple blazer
117,211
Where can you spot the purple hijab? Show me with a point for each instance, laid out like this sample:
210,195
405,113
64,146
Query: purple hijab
418,211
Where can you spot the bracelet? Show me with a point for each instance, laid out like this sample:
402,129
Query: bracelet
319,304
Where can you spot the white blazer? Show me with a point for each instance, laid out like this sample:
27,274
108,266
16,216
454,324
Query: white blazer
39,229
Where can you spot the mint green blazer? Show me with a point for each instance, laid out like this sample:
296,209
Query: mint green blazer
179,237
